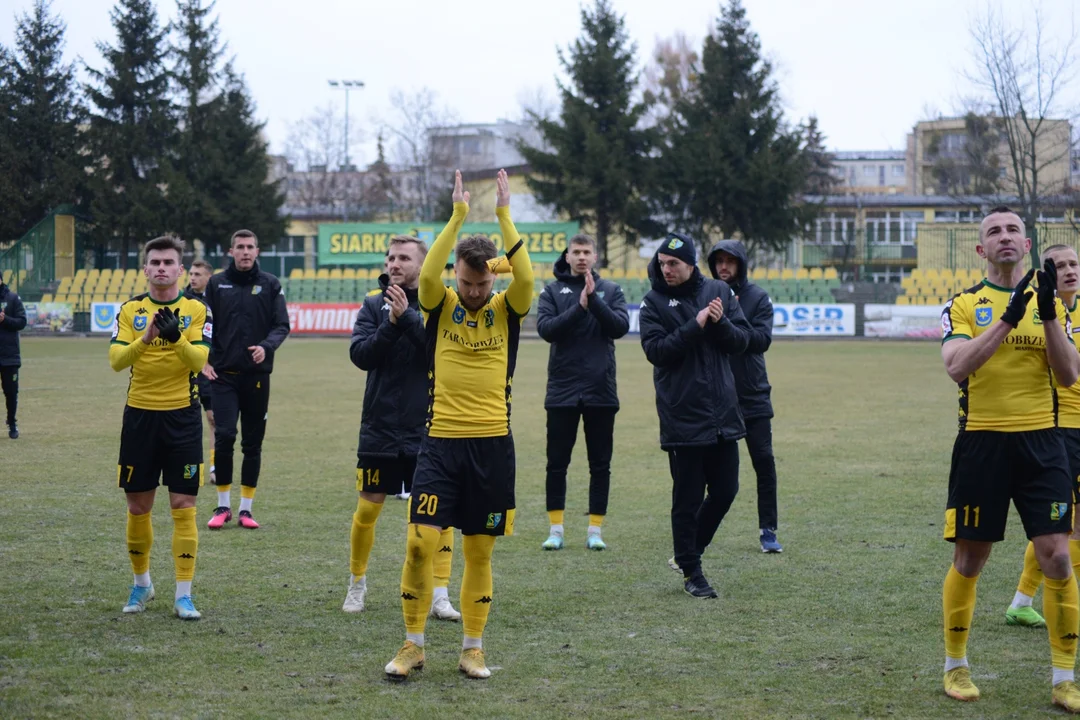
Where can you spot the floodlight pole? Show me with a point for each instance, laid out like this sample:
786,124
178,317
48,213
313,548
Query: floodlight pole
346,85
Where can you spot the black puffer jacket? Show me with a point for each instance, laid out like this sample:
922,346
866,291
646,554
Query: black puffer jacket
14,321
695,390
581,364
751,379
248,309
394,356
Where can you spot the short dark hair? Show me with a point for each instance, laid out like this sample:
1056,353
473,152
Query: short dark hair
242,234
583,239
1054,248
407,240
204,265
166,242
1000,209
475,251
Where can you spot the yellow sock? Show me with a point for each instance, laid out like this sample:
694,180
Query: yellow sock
185,543
1032,576
247,492
417,581
444,558
1074,554
596,520
1061,608
140,538
555,517
476,583
958,603
362,536
211,456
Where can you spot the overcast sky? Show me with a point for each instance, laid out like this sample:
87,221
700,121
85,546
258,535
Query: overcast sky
867,69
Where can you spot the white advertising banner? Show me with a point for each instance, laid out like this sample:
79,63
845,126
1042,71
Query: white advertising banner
903,321
102,315
795,319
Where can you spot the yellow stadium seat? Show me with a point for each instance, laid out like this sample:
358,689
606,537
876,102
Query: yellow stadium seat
902,300
917,274
908,283
931,274
802,274
131,274
831,274
816,274
757,273
946,274
296,273
106,274
616,274
92,275
81,273
772,274
605,273
787,274
47,297
322,274
348,274
64,285
309,273
335,274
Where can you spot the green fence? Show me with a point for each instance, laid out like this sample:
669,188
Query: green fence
30,262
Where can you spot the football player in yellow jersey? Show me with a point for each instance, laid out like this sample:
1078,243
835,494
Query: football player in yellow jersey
1000,352
1021,612
465,469
162,336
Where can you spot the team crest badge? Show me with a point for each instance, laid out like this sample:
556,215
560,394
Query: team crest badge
139,322
459,315
1058,510
675,244
191,472
256,289
1035,317
104,315
600,293
494,520
489,317
984,316
185,322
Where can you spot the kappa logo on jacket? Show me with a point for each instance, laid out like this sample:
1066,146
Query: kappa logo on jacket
673,303
565,291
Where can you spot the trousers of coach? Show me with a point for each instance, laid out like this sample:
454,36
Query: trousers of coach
248,308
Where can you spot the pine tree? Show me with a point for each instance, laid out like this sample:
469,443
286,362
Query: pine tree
732,165
132,130
599,168
39,133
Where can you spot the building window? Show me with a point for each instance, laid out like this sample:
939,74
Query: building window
470,146
898,171
869,170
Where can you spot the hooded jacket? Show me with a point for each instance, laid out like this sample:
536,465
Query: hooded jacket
248,309
581,363
695,389
394,357
751,379
14,321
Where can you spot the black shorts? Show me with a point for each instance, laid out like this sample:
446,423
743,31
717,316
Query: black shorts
467,483
161,443
1071,436
990,468
204,392
385,474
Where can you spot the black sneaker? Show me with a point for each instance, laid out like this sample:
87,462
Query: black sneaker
13,431
697,586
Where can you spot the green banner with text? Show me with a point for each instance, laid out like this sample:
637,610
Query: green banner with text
366,243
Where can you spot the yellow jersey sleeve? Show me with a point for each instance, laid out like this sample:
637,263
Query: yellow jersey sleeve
956,320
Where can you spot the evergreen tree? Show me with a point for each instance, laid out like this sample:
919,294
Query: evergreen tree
132,130
599,168
39,133
731,164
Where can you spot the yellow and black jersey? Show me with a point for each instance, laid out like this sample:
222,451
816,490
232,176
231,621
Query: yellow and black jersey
162,373
471,367
1014,390
1069,397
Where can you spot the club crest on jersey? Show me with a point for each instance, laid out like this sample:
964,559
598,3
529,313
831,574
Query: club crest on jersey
1035,317
191,471
185,322
459,315
600,293
139,322
1058,510
984,316
489,317
256,289
494,520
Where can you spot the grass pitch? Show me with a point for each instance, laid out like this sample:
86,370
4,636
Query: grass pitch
846,623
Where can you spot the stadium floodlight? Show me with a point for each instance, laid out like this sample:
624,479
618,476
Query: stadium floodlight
346,85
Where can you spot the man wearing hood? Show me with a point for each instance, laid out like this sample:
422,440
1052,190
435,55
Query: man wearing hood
727,261
12,321
251,323
581,315
389,344
690,326
198,276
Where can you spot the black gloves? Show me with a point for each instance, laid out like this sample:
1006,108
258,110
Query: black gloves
1047,291
1018,303
168,324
